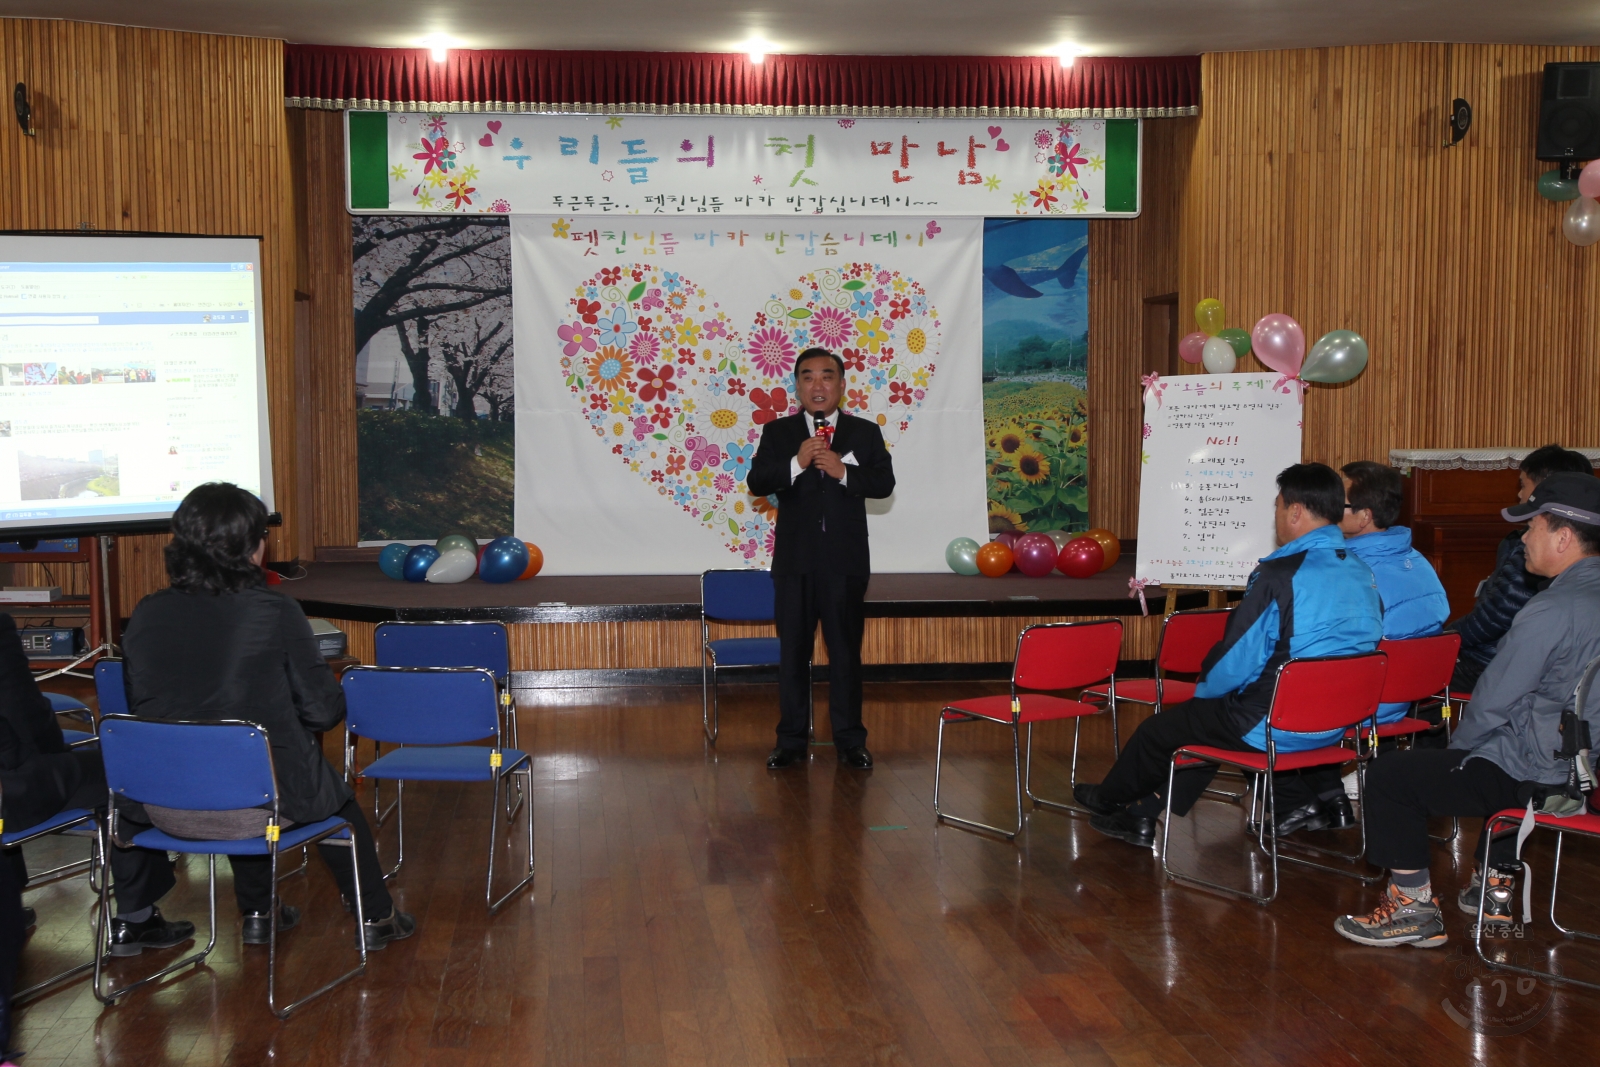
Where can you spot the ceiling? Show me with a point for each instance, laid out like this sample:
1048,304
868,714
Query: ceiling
925,27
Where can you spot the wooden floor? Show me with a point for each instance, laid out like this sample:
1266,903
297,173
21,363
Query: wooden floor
693,908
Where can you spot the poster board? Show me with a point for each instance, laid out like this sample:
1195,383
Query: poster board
1213,445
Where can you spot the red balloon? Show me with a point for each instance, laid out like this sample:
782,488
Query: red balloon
1081,557
1035,554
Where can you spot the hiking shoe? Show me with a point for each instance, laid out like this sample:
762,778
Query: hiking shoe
1497,908
1398,920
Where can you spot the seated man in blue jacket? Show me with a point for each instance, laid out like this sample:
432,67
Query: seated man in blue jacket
1311,597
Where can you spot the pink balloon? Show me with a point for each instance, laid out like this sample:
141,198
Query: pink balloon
1589,180
1035,555
1191,345
1280,343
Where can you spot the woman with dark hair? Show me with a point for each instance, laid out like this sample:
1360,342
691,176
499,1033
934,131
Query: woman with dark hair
219,645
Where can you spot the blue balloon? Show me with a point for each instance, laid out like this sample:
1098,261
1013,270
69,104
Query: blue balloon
392,561
504,559
418,560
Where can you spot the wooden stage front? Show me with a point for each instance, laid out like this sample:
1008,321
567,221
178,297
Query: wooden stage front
590,629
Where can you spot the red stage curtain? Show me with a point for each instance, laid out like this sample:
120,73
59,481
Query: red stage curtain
401,79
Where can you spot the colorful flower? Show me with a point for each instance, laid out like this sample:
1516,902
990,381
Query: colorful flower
702,453
724,483
688,332
854,359
736,387
705,476
919,303
672,281
1033,465
609,368
652,299
620,401
645,347
561,229
1007,438
916,342
656,382
1043,195
617,328
725,420
677,301
871,333
830,326
770,404
662,416
435,124
861,303
578,338
682,495
765,506
878,378
715,328
610,275
738,460
856,399
1077,435
1068,158
642,428
1002,519
435,154
899,393
716,383
589,310
920,377
899,307
675,462
769,349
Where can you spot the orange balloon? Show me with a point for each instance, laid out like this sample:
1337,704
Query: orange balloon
1109,544
994,559
535,561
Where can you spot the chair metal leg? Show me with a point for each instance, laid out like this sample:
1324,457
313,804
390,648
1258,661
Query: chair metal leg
1555,881
938,765
1072,775
494,834
811,708
1166,852
1477,930
109,996
708,698
1455,828
305,861
399,808
272,943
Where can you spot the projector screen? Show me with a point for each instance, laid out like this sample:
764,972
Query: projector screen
131,370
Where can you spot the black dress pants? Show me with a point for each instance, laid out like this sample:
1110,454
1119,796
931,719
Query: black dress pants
252,875
1405,789
1139,777
12,933
835,601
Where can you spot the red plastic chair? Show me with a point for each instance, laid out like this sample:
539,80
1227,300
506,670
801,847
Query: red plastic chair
1581,825
1186,637
1050,656
1309,696
1419,669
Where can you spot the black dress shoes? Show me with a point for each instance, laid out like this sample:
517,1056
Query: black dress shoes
258,924
1337,813
858,758
397,926
1088,797
1126,826
785,757
130,939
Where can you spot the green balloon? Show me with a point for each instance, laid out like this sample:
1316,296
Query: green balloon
455,540
1552,186
1338,356
962,555
1239,339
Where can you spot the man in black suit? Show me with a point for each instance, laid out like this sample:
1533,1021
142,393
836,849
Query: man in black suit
823,465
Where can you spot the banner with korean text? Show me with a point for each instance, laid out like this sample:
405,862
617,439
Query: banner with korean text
679,165
651,353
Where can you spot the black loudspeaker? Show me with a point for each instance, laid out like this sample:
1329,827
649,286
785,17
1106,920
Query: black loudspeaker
1569,112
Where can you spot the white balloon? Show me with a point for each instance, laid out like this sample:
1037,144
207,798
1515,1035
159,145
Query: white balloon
1581,223
1218,356
456,565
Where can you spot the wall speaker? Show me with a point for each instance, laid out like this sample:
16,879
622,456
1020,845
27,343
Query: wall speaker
1569,112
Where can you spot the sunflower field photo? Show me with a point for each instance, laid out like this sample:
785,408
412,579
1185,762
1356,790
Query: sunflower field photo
1035,361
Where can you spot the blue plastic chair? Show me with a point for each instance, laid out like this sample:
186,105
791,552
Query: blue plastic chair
108,687
59,823
208,766
734,596
73,708
433,713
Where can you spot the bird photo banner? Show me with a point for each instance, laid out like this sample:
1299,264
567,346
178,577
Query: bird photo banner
671,165
651,353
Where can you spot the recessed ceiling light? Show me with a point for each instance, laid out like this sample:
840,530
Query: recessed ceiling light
438,47
1068,54
757,49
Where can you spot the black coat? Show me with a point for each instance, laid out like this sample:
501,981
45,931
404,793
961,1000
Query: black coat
822,524
37,772
249,656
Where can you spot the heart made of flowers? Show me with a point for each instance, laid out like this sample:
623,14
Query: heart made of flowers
679,392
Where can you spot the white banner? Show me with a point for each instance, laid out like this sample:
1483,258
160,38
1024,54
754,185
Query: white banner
648,360
1213,447
408,163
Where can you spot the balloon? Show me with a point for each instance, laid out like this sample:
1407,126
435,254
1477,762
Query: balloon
1190,347
1239,340
1581,224
455,565
446,543
1110,544
417,562
504,560
392,560
1552,186
1035,555
961,555
994,559
1060,537
1082,558
1008,538
535,561
1280,343
1218,357
1208,316
1338,356
1589,181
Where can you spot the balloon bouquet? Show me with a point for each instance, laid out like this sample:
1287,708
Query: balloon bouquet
1279,343
1035,554
457,557
1581,222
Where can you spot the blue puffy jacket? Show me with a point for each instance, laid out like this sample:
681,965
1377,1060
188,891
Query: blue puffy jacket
1414,601
1312,597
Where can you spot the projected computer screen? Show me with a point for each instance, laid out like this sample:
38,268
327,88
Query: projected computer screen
131,370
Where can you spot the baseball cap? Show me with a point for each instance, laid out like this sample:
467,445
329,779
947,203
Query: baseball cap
1569,495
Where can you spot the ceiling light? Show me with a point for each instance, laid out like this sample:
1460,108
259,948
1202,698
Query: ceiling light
758,58
757,49
438,47
1068,54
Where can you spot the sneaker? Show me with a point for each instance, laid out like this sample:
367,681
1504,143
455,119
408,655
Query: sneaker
396,927
1497,908
257,929
1350,788
130,939
1398,920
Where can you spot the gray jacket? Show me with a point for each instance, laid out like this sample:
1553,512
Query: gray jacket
1514,719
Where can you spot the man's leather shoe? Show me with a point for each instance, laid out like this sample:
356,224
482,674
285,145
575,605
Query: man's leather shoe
858,758
130,939
1305,817
1337,813
258,924
396,927
1088,797
785,757
1126,826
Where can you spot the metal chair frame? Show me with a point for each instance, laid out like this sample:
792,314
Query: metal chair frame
1023,767
521,769
709,720
1266,834
34,833
1545,822
109,996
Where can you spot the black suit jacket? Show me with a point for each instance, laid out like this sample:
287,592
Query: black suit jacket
822,524
37,772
